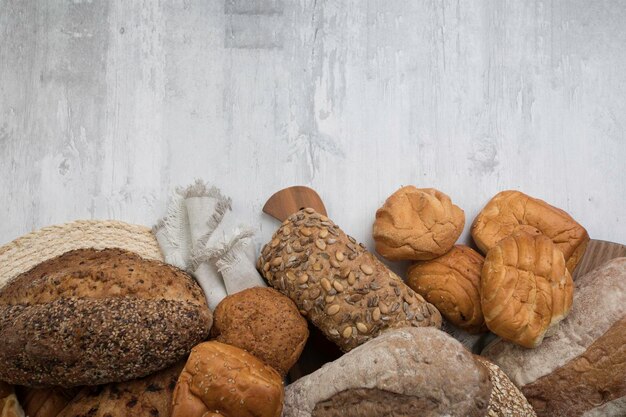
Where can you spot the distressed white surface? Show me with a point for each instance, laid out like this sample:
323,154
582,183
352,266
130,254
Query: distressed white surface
106,105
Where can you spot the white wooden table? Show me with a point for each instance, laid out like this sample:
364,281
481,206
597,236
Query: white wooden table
105,106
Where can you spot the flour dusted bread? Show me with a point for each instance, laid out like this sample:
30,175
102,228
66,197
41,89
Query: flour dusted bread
525,288
511,211
337,284
150,397
417,224
222,380
452,284
263,322
581,369
91,317
403,373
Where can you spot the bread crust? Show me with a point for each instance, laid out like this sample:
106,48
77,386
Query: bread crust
525,288
9,406
452,284
511,211
337,284
223,380
92,317
263,322
417,224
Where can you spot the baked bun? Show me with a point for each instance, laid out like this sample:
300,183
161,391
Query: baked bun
264,323
417,224
452,284
525,288
511,211
337,284
505,400
402,373
223,380
150,397
9,406
91,317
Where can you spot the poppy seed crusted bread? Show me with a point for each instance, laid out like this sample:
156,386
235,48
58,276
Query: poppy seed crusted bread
91,317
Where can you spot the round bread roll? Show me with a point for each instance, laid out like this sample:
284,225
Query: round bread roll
525,288
511,211
264,323
452,284
337,284
417,224
91,317
222,380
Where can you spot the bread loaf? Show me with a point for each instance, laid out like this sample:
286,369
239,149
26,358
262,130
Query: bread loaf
452,284
222,380
403,373
511,211
150,397
581,369
417,224
263,322
9,406
45,402
337,284
91,317
525,288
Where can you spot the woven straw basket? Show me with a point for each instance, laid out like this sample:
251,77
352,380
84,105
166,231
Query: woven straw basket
30,250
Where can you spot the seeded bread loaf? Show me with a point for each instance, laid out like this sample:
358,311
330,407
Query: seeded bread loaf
337,284
91,317
402,373
150,397
263,322
452,284
581,369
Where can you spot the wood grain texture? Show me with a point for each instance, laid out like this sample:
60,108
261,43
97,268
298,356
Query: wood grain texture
287,201
106,105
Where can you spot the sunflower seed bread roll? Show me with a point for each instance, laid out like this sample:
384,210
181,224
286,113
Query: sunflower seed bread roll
337,284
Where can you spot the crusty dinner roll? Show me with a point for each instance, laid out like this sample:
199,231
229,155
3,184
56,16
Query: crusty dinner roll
337,284
9,406
263,322
403,372
417,224
220,380
525,288
452,284
511,211
581,369
91,317
150,396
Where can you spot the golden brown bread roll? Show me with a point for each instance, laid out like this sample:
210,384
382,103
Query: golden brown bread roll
525,288
511,211
9,406
337,284
452,284
417,224
264,323
220,380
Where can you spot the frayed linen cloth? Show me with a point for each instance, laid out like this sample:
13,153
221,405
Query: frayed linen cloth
199,235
